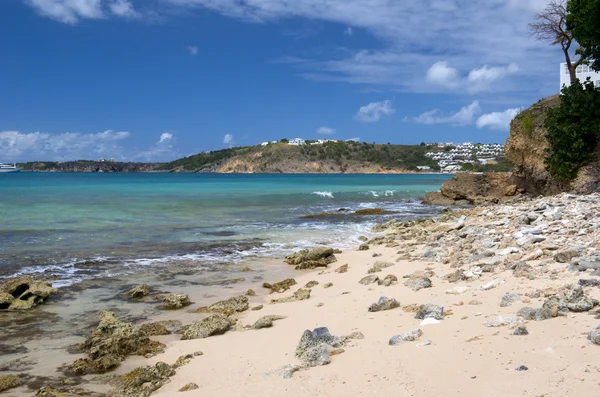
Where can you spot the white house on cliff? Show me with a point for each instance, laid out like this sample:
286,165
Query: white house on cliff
582,72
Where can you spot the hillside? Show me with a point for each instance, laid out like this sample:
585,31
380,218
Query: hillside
330,157
87,166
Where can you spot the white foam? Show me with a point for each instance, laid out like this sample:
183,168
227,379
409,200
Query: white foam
324,194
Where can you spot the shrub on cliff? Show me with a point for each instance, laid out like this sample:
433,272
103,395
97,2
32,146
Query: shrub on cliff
573,130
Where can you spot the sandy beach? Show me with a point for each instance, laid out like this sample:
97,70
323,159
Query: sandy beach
465,358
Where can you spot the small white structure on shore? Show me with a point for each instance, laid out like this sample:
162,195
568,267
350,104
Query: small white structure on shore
582,72
423,167
296,142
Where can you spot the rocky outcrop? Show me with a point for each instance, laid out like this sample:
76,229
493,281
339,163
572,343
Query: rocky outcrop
280,286
138,292
474,189
227,307
174,302
110,343
266,321
315,346
300,295
24,293
216,324
8,382
311,258
526,149
142,381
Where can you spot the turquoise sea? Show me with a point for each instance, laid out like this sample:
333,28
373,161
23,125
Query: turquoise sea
74,226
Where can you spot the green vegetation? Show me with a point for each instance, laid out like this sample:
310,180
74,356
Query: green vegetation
208,159
583,19
573,130
527,122
502,165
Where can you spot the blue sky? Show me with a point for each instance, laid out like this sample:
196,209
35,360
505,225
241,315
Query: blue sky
159,79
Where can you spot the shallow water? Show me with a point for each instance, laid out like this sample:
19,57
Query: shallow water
96,235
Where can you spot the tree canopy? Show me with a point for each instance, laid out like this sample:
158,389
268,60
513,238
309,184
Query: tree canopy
583,19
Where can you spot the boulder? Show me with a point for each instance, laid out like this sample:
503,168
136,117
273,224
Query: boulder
573,300
266,321
143,381
379,266
478,189
250,292
189,386
429,311
227,307
406,337
8,382
342,269
46,391
384,303
314,347
417,284
110,343
529,313
280,286
311,258
363,247
300,295
389,280
594,335
521,331
369,280
565,256
311,284
174,301
138,292
215,324
23,293
509,299
154,329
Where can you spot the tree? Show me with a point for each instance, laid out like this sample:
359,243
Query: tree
284,140
550,26
583,20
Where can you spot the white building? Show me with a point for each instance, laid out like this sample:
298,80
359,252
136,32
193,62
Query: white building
582,72
296,142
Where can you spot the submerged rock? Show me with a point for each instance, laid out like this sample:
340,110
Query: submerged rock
406,337
311,258
175,301
314,347
138,292
280,286
215,324
430,311
110,343
300,295
384,303
24,293
267,321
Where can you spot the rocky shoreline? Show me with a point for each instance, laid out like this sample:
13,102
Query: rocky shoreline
498,300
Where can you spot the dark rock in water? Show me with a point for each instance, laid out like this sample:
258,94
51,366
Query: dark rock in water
24,293
418,283
384,303
314,347
300,295
8,382
589,283
266,321
430,311
110,343
230,306
142,381
594,335
280,286
175,301
406,337
521,331
189,386
369,280
215,324
373,211
390,279
138,292
311,258
521,368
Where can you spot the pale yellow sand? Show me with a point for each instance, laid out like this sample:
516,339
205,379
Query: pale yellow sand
561,361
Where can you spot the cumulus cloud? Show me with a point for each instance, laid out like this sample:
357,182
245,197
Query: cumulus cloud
193,50
374,111
326,131
228,139
162,150
477,80
16,146
465,116
165,137
68,11
497,120
123,8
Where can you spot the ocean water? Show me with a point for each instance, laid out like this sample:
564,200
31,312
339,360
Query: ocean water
74,226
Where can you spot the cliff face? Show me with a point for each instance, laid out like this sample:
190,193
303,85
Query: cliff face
526,150
477,189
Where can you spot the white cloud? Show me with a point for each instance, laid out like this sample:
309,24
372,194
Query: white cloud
15,145
497,120
193,50
228,139
165,137
349,31
326,131
465,116
482,78
123,8
68,11
441,74
374,111
356,139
